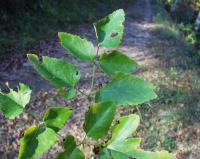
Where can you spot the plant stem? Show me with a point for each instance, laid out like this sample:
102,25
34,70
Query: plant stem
139,114
97,53
83,141
83,93
34,117
60,137
94,71
93,77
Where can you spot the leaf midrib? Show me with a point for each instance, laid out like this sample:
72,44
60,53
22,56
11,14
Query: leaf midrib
99,121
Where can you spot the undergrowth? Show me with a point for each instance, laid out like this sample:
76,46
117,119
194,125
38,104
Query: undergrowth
169,28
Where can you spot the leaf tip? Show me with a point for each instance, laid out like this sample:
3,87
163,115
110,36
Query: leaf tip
32,57
60,34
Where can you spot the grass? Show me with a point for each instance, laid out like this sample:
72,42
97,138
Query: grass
178,32
171,122
165,26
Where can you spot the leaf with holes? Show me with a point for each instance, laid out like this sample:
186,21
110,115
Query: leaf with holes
98,119
36,141
71,150
56,117
59,72
13,103
116,62
109,30
81,48
126,89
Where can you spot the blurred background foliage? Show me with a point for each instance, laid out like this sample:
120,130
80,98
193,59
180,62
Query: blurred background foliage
181,10
183,20
24,22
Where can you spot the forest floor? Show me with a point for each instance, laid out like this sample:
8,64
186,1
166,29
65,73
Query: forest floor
171,122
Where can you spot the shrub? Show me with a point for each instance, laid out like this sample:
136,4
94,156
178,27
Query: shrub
124,89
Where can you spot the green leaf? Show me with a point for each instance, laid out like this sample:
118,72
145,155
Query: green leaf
130,148
68,94
120,148
116,62
36,141
141,154
60,73
13,103
98,119
71,150
118,155
123,147
81,48
104,154
109,30
75,154
131,90
56,117
71,93
69,143
125,128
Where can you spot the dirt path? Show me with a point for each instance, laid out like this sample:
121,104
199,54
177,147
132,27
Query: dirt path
156,57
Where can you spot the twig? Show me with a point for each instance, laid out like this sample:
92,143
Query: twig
83,141
94,71
138,110
93,77
83,93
